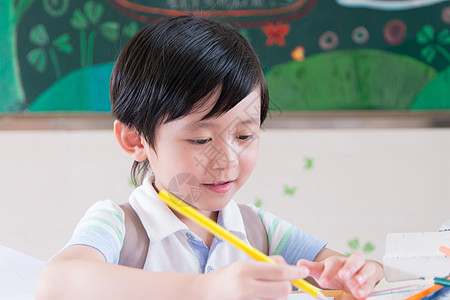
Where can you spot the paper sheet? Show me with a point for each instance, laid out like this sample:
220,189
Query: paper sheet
392,291
399,290
18,274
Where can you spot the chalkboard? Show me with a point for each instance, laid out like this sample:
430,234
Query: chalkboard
57,55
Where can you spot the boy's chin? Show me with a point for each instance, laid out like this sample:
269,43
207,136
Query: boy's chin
214,206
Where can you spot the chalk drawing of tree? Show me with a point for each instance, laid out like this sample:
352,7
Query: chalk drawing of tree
88,19
13,95
38,56
433,43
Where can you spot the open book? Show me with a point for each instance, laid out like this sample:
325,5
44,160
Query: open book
18,274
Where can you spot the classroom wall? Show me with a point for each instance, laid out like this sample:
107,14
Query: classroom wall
339,184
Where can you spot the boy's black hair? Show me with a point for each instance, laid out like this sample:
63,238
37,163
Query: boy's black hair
168,68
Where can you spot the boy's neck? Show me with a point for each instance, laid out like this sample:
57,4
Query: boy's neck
202,233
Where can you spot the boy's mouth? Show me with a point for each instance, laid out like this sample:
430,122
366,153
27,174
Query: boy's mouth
218,183
219,187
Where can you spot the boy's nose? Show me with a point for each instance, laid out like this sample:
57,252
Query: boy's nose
227,157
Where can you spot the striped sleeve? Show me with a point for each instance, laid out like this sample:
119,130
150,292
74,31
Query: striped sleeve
103,228
287,240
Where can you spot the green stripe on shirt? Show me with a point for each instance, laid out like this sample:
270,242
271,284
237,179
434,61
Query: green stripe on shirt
106,222
111,212
261,214
272,228
283,240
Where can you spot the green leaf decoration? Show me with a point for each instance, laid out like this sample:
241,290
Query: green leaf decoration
258,202
354,244
94,11
444,37
289,190
38,59
39,35
426,35
131,29
110,30
368,247
62,43
309,162
429,53
78,20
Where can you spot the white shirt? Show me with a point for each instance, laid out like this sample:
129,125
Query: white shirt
173,246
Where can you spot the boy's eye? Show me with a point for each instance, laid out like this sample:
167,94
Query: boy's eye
200,141
245,137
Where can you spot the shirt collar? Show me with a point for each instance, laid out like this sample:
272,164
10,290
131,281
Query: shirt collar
159,221
231,219
156,217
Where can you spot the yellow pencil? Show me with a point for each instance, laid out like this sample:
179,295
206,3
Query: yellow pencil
191,213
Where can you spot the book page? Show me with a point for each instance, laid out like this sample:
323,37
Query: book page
18,274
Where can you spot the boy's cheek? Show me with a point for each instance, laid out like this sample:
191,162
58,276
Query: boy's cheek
250,155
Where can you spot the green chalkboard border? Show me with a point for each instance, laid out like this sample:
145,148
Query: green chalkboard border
275,120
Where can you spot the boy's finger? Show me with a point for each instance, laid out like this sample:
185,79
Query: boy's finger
332,266
363,279
315,269
279,259
273,289
353,264
363,291
275,272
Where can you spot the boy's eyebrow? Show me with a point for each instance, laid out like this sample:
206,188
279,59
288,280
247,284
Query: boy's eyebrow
206,124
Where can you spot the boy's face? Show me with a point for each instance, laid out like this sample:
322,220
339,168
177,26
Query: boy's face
206,162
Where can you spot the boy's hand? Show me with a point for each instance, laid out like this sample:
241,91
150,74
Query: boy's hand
353,274
251,279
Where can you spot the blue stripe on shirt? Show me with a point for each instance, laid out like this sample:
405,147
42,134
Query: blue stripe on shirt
295,247
99,239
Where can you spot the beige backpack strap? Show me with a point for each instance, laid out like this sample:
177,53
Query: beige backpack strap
135,242
256,232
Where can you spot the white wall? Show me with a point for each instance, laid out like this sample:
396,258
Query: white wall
364,183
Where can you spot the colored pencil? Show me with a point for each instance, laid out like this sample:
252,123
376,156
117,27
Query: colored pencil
445,250
442,281
424,293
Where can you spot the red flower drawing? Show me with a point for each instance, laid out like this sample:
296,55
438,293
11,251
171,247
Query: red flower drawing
276,33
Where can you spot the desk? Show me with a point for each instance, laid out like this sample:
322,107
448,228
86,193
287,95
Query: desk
337,295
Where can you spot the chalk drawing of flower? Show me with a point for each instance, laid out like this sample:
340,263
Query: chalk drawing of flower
276,33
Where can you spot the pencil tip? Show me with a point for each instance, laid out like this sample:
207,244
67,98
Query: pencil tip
321,296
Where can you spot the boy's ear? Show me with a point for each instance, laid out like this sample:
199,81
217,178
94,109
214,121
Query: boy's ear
130,141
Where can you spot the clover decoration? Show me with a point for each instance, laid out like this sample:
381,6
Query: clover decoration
433,43
38,56
87,19
355,245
